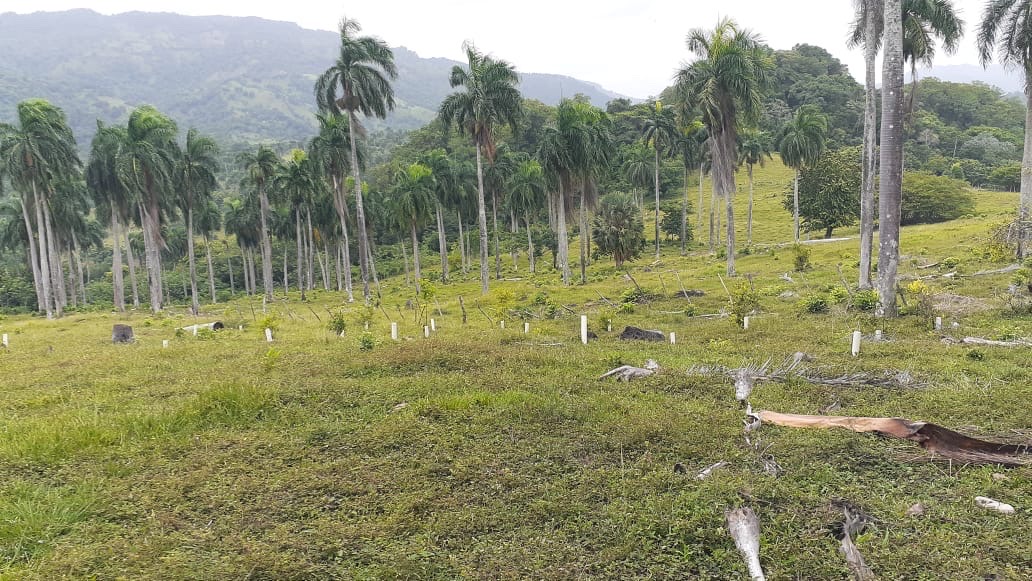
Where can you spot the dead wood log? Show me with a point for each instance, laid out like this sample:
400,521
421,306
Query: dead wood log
744,527
629,372
705,473
1004,270
990,504
934,438
991,342
631,333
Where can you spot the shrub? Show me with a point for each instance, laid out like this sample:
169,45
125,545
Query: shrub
336,324
929,198
618,229
865,300
269,322
838,295
743,300
800,257
366,342
814,303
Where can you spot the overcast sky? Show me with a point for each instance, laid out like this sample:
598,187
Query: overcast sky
628,46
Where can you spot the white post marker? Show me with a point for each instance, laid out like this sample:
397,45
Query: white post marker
526,328
433,325
673,338
367,326
609,327
394,331
503,325
268,335
877,335
584,329
164,343
426,331
745,322
6,343
856,343
195,330
938,323
240,327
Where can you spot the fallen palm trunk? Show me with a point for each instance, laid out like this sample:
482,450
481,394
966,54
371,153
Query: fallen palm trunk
994,343
934,438
744,527
629,372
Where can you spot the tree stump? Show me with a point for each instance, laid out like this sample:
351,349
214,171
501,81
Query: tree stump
636,334
122,334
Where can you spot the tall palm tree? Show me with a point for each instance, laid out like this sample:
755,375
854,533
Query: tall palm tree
297,180
332,147
891,163
490,97
1007,29
442,168
208,221
527,191
146,167
690,146
110,197
801,145
195,170
659,130
363,73
727,81
869,19
411,201
261,167
637,169
496,176
37,152
243,222
753,148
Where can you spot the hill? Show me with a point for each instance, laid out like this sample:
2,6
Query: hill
239,79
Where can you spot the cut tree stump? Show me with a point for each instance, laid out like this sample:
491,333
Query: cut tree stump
122,334
635,334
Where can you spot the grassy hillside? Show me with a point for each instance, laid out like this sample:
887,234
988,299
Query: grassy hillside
486,453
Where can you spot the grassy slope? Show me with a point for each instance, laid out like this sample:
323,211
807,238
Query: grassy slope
223,458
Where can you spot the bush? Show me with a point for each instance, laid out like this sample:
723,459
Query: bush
815,303
366,342
838,295
800,257
743,300
618,229
865,300
336,324
670,223
928,199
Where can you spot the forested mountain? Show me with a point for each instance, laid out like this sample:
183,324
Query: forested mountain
238,79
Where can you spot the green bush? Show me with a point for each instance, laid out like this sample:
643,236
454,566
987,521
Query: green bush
336,324
930,198
800,257
838,295
743,300
366,342
865,300
814,303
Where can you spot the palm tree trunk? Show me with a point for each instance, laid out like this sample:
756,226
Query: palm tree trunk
364,253
37,278
372,267
530,245
211,269
301,262
195,305
324,265
729,201
442,243
870,161
149,216
77,253
339,260
404,260
116,263
891,158
44,262
712,223
515,230
482,222
1025,201
266,243
247,279
250,271
564,244
583,227
684,214
698,217
232,283
310,247
73,295
417,274
795,207
132,269
462,245
656,144
748,230
341,203
54,257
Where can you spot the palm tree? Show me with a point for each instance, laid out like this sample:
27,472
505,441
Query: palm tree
891,179
298,181
35,154
490,98
110,197
332,147
753,149
658,130
637,169
363,72
495,177
527,194
1007,29
261,167
208,221
410,203
196,169
727,81
445,185
690,145
243,222
801,145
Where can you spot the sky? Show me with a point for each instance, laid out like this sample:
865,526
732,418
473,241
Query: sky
632,47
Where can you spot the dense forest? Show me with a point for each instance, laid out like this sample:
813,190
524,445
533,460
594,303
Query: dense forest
152,210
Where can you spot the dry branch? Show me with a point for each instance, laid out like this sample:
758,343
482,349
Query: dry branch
934,438
744,527
629,372
853,525
990,342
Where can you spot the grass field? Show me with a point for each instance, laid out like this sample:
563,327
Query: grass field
486,453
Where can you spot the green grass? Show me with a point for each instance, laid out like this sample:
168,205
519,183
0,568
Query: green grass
225,457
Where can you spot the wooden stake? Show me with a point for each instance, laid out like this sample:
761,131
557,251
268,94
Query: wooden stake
394,331
526,328
856,343
673,338
268,335
426,331
433,325
584,329
6,342
745,322
164,343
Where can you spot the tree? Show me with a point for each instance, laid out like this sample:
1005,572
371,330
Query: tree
891,162
110,196
690,146
527,194
801,145
332,148
753,148
363,71
727,81
928,198
195,170
147,167
658,130
410,204
208,221
445,186
35,154
827,192
261,167
297,180
618,229
490,97
637,168
1007,29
